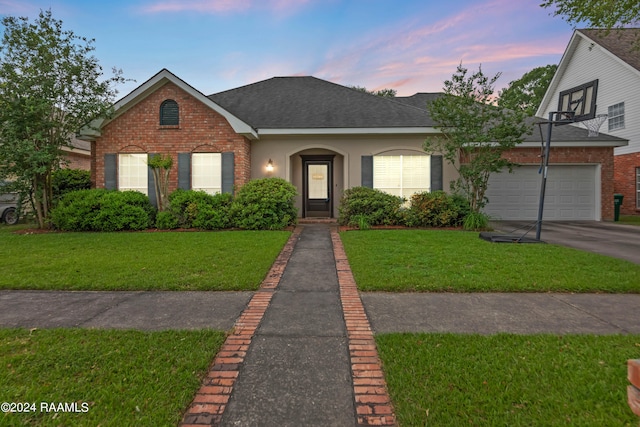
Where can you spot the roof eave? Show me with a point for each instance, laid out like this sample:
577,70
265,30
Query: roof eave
411,130
575,144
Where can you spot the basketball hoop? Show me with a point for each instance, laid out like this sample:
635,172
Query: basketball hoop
594,124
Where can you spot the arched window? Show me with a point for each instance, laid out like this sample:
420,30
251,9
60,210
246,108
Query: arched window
169,113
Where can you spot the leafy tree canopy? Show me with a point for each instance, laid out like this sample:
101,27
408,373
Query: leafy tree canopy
50,86
597,13
474,132
527,92
384,93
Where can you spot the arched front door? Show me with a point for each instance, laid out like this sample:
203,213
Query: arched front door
317,178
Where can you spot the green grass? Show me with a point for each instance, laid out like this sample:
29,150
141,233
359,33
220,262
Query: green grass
127,378
233,260
630,219
455,261
508,380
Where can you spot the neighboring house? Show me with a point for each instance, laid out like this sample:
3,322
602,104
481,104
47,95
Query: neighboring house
604,66
78,155
320,136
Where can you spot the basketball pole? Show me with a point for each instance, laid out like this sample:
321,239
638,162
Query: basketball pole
547,149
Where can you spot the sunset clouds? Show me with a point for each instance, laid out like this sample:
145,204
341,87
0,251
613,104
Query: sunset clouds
407,45
223,6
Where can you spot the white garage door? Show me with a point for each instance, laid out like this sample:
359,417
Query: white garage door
571,193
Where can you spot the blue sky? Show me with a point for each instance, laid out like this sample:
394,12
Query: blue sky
408,45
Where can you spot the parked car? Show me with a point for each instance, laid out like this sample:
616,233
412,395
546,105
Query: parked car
8,206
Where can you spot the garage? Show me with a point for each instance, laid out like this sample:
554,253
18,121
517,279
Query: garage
571,193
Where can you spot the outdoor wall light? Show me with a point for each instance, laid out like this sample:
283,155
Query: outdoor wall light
269,166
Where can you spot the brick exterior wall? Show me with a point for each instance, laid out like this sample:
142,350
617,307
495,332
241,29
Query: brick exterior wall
625,181
76,160
576,155
201,130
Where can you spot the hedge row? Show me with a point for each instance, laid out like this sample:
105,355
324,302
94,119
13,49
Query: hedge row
262,204
363,207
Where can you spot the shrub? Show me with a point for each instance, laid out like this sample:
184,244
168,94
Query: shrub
166,221
265,204
476,221
196,209
435,209
378,207
64,181
103,210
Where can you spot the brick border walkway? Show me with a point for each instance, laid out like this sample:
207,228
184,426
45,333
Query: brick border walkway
211,399
373,405
372,402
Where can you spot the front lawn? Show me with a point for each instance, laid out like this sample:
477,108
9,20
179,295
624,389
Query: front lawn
508,380
630,219
456,261
114,378
230,260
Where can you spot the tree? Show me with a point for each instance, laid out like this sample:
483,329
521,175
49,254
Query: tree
474,133
527,92
161,167
50,87
605,14
384,93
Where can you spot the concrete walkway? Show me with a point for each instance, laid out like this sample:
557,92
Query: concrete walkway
302,353
297,370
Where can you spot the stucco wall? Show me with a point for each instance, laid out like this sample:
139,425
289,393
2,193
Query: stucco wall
285,151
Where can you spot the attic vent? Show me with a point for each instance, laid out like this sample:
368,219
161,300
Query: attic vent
169,113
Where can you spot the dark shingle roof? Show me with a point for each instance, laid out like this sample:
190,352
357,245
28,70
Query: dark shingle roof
623,42
419,100
309,102
565,133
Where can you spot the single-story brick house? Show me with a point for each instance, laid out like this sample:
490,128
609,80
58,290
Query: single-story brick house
323,138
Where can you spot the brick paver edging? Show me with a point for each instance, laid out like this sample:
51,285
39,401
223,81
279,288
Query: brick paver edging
373,405
210,401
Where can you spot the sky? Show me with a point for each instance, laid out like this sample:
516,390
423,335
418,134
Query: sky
407,45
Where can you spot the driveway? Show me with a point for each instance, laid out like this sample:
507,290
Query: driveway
606,238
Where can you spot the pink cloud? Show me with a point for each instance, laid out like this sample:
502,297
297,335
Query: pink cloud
223,6
17,7
412,56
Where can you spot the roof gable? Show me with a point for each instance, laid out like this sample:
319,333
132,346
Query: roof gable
616,43
163,77
312,103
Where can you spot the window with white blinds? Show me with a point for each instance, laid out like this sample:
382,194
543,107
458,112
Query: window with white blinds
133,173
402,175
206,172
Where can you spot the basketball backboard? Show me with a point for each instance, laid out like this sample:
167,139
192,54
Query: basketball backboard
581,100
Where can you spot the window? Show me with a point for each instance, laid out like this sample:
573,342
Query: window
169,113
133,173
206,172
638,188
581,99
401,175
616,116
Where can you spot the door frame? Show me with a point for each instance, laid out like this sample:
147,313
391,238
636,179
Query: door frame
321,159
